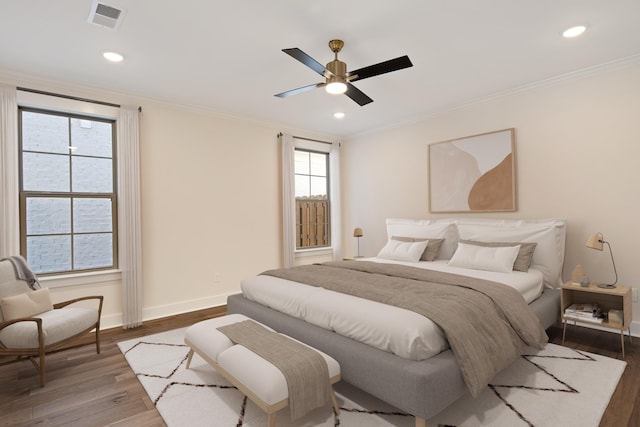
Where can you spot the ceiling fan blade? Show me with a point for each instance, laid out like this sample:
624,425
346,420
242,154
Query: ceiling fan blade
308,61
381,68
357,95
299,90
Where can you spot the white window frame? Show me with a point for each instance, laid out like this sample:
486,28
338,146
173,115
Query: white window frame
64,105
112,196
334,250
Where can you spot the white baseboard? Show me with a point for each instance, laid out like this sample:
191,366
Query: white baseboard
150,313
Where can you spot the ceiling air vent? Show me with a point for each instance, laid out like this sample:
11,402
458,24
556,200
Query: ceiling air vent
105,15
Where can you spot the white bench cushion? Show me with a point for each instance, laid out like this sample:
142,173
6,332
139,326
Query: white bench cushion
259,375
208,339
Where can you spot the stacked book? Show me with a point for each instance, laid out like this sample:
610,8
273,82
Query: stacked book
584,312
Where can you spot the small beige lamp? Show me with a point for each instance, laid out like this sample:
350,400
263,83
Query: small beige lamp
357,232
596,241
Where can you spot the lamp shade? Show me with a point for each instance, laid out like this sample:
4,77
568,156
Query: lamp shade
596,241
357,232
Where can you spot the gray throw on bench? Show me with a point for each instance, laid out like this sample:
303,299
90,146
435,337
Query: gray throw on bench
304,369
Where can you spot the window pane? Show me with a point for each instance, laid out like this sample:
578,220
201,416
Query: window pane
92,251
92,215
318,186
45,132
48,215
91,175
302,186
301,162
49,254
91,138
318,164
45,172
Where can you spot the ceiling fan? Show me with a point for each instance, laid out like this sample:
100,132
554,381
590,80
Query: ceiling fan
337,79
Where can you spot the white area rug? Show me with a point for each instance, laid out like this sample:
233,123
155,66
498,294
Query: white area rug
557,386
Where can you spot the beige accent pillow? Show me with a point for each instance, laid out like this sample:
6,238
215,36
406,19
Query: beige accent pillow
433,247
26,305
523,260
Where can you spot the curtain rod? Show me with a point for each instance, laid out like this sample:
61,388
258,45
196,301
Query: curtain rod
307,139
74,98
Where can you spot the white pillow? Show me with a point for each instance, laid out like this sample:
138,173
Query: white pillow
26,305
498,259
425,229
548,234
403,251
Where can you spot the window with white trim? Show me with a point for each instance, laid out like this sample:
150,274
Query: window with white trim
313,215
68,200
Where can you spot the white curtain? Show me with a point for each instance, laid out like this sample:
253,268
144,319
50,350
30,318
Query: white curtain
129,216
336,219
288,201
9,214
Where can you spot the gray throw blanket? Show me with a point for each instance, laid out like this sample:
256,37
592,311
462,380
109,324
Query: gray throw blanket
23,272
305,370
487,324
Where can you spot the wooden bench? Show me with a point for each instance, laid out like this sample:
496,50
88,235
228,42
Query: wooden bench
254,376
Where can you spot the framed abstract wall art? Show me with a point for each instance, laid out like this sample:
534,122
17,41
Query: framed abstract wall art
473,174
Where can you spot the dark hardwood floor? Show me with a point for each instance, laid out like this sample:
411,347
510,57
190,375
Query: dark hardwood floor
88,389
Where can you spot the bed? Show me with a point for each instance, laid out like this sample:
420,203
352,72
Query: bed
397,355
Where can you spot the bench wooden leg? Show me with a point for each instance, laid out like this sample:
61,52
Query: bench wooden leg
421,422
189,358
272,419
336,408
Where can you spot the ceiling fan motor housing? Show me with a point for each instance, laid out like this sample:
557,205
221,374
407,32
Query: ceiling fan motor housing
338,68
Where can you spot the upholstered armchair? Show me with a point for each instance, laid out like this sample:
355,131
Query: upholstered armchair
31,326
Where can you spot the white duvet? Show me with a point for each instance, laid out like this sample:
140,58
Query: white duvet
396,330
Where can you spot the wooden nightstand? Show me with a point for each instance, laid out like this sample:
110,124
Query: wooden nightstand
618,298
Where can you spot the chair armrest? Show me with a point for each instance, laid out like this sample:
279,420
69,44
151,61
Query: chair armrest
27,319
21,319
71,301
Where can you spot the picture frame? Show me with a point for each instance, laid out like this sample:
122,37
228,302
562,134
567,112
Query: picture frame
473,174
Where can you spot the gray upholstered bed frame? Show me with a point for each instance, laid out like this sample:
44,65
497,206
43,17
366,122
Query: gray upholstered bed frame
420,388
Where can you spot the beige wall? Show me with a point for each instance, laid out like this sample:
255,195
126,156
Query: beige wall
577,156
211,206
210,184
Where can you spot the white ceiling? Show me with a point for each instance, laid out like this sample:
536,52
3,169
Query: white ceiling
225,56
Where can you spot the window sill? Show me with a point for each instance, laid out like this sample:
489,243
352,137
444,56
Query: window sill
78,279
301,253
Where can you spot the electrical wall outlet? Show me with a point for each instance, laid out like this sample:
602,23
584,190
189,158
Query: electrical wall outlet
634,294
216,277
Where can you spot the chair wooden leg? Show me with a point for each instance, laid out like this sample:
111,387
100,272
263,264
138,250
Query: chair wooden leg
42,374
98,340
421,422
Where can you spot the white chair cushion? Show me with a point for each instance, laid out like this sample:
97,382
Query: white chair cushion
57,325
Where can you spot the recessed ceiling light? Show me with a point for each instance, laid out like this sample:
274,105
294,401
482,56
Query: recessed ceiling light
574,31
113,56
338,115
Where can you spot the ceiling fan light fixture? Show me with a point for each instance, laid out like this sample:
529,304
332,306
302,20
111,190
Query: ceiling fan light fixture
336,87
